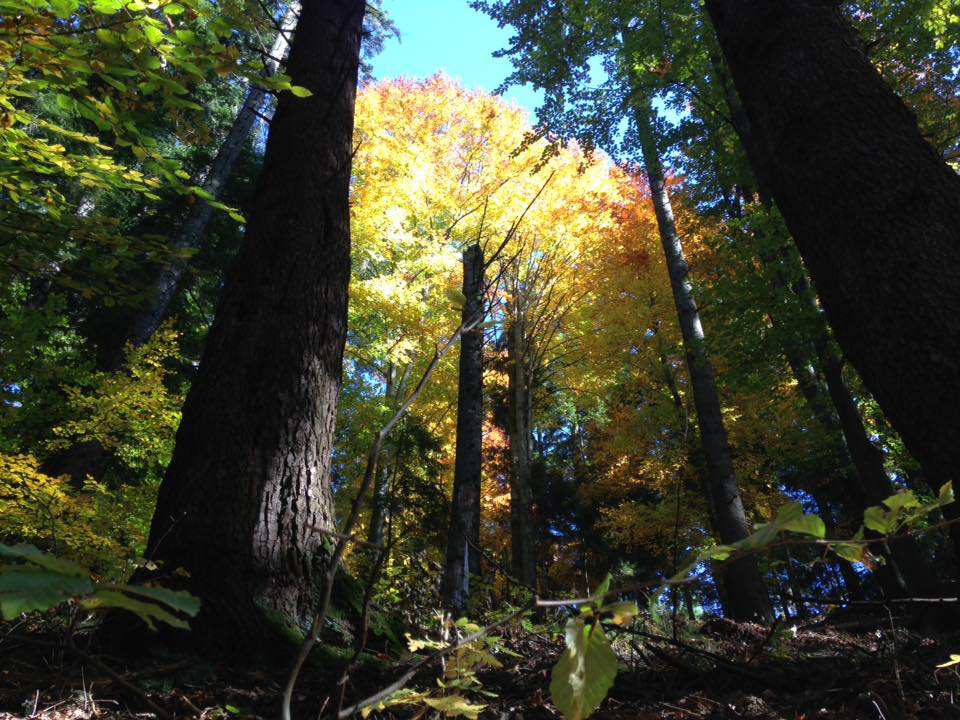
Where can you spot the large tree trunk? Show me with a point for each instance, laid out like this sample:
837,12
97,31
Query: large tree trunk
746,595
463,538
906,572
248,489
522,536
874,209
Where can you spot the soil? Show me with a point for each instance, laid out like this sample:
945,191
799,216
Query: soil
844,665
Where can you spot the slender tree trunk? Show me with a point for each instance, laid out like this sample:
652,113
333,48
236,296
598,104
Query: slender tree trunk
746,595
810,387
874,209
851,579
248,488
379,500
190,235
463,538
906,571
381,483
91,458
910,571
522,537
688,601
390,456
796,587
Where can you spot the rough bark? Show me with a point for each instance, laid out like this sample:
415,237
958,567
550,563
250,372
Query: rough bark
463,538
248,483
874,209
746,596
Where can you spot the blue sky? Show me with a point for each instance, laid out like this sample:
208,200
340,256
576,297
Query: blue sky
449,35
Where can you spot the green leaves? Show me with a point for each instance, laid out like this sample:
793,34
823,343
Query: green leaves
25,589
150,613
854,552
588,666
33,556
586,670
945,496
41,581
791,518
903,508
123,67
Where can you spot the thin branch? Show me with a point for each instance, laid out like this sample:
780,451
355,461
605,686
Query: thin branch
516,225
346,538
354,517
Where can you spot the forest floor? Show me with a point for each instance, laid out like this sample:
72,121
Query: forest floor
845,665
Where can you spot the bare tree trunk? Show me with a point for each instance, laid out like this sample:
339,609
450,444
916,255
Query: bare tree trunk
746,595
522,536
248,487
463,538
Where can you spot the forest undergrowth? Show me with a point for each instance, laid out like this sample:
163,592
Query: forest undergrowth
866,661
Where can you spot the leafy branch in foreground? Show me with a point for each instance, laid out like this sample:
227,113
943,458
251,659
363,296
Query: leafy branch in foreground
901,510
587,668
36,581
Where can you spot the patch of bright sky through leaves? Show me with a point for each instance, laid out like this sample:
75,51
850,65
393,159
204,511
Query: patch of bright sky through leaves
449,36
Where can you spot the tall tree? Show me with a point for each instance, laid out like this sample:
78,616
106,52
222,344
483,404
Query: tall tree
745,594
873,208
523,538
246,495
463,539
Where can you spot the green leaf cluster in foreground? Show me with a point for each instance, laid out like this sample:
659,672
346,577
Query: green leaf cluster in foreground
36,581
